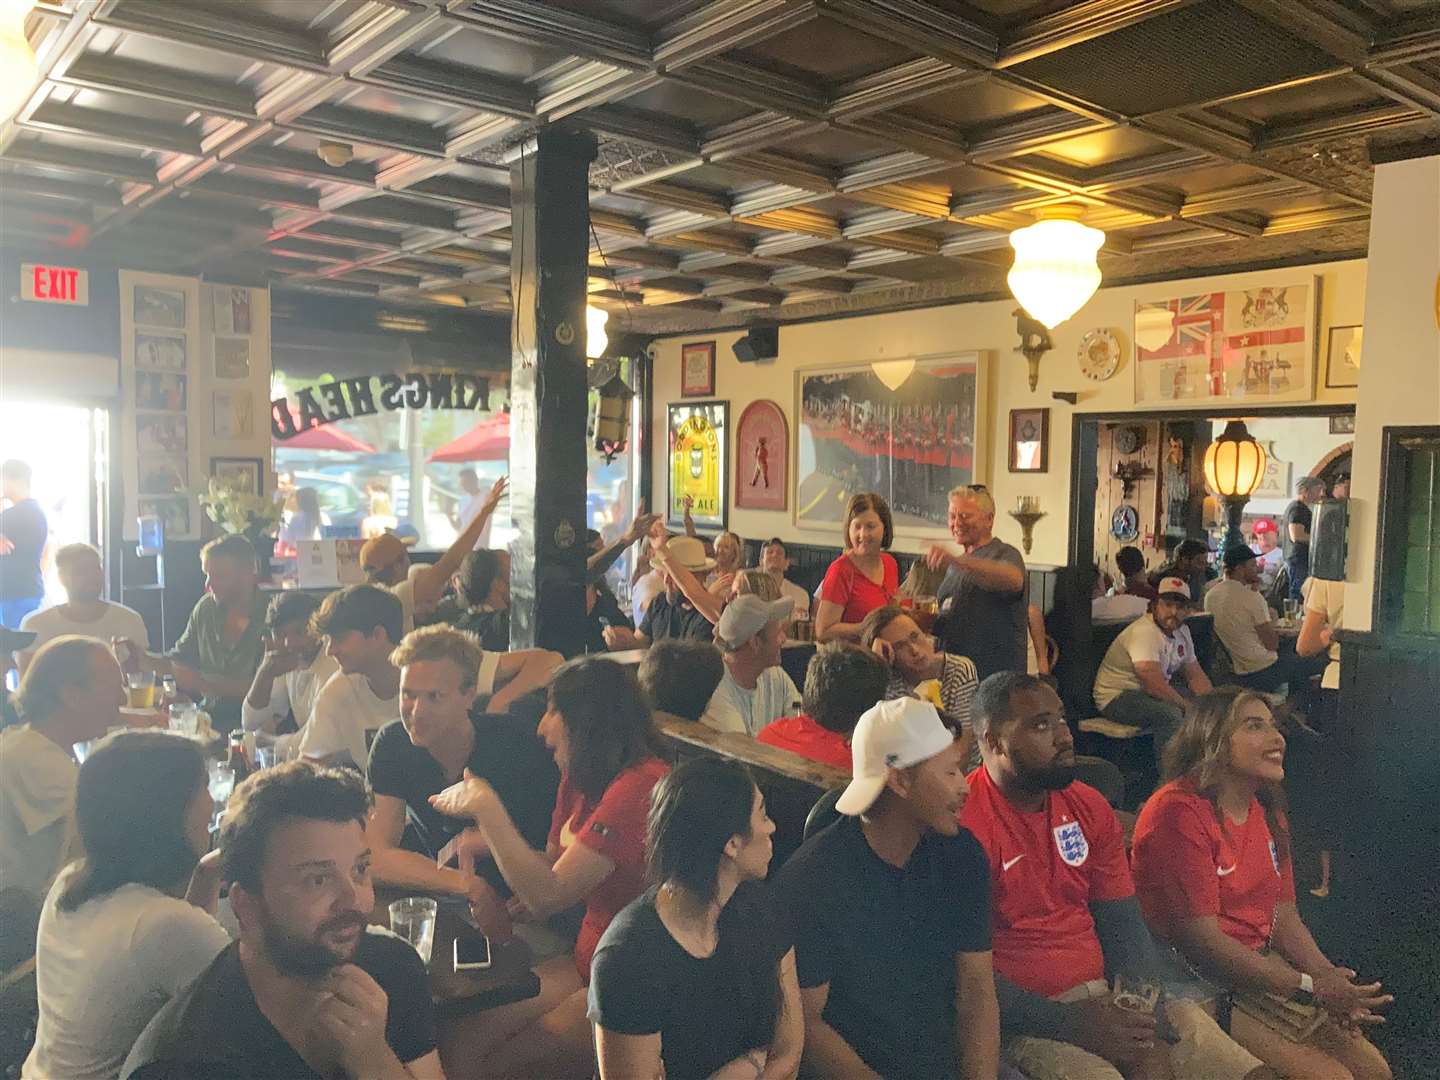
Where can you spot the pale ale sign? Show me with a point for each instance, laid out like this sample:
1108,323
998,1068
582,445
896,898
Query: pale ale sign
54,284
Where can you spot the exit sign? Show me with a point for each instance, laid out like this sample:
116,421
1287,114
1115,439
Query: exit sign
54,284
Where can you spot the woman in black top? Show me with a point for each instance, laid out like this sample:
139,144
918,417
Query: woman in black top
696,978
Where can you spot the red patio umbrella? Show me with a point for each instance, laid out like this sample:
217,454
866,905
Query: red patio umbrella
324,437
488,440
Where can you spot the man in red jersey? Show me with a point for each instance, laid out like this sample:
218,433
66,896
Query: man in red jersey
1063,904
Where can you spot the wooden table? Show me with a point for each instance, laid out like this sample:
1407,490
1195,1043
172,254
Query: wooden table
508,979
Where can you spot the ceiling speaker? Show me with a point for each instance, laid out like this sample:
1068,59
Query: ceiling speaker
759,343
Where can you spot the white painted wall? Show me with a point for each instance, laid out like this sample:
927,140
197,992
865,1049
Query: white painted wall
986,326
1400,372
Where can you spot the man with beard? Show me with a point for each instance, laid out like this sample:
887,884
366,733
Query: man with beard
1064,910
309,991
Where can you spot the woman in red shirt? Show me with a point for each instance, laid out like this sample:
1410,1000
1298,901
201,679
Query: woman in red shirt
598,726
862,579
1212,872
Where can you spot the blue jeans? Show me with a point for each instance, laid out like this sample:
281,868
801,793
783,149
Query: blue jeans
1289,668
13,611
1299,571
1139,709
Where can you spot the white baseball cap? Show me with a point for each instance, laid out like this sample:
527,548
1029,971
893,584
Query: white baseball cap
891,735
747,615
1174,585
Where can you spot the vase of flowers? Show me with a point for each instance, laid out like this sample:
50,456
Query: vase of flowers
236,509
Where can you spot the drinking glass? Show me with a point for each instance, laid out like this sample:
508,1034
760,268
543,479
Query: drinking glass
222,783
185,719
1292,611
265,757
413,919
140,689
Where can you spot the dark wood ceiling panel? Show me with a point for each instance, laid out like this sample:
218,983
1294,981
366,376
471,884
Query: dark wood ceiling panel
977,105
826,51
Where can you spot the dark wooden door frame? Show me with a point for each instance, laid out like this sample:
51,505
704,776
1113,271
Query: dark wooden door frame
1084,447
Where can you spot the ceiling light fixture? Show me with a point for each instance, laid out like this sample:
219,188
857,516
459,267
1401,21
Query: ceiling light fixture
18,69
595,336
892,373
1055,271
335,154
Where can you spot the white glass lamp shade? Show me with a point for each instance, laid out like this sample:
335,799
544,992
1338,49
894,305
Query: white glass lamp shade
18,70
1154,327
1054,272
595,337
1234,463
893,373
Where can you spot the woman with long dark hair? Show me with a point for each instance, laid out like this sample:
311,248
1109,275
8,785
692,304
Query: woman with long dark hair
131,924
696,978
1213,875
864,577
483,582
598,726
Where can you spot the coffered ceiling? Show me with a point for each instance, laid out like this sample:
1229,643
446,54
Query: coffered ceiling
758,159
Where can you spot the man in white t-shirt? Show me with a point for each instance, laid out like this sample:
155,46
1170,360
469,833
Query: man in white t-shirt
85,613
774,560
1261,658
1134,683
385,559
754,689
292,670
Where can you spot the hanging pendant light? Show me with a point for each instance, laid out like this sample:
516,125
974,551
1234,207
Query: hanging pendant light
1054,272
18,70
595,337
892,373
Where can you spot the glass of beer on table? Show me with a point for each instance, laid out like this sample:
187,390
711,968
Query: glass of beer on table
140,689
924,612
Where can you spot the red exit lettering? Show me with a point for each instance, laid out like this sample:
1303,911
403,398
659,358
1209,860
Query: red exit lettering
54,284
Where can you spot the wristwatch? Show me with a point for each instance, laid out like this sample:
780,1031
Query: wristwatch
1305,995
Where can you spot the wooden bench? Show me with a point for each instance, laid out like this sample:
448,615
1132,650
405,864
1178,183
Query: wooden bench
790,783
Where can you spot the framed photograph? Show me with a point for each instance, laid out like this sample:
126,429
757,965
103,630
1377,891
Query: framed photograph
1342,358
231,305
762,457
247,473
161,433
173,511
1255,346
910,429
1030,440
159,307
162,474
165,390
232,358
233,414
162,352
1342,424
697,369
697,437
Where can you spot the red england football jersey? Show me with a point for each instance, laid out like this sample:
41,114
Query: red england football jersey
1188,864
802,735
1045,870
615,827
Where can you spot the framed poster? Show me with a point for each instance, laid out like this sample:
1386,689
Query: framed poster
697,369
154,306
698,432
247,474
1030,440
762,457
1342,358
911,444
232,414
165,352
1255,345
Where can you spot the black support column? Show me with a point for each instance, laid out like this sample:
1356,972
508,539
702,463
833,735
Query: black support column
550,244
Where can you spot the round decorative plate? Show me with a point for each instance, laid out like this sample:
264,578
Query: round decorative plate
1099,355
1125,523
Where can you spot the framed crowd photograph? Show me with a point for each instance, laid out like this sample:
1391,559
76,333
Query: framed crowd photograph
1030,440
905,428
159,307
1342,358
246,473
697,369
762,457
698,438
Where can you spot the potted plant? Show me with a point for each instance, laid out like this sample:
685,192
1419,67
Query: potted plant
235,508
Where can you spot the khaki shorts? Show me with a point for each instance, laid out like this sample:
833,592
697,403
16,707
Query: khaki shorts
1204,1052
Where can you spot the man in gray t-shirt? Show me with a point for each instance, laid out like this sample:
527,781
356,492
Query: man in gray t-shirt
985,596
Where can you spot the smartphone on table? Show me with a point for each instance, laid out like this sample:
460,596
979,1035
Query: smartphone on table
472,952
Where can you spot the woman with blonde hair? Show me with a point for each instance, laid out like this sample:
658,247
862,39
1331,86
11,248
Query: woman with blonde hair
1213,875
864,577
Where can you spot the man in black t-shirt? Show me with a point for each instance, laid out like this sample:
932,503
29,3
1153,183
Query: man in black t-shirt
309,991
1295,531
429,748
985,596
891,912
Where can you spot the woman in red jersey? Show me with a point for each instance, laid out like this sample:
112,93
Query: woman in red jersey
1212,871
864,577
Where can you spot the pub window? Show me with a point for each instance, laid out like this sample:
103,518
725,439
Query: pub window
1409,577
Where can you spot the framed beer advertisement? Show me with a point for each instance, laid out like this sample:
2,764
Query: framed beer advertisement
698,439
697,369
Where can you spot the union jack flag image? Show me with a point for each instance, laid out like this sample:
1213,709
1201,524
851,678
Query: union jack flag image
1198,322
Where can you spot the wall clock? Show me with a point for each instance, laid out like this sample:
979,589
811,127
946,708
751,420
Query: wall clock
1128,439
1099,355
